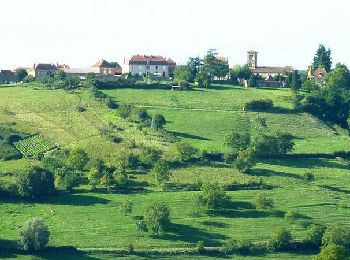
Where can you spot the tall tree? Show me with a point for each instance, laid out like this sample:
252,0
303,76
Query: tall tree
183,72
322,58
194,64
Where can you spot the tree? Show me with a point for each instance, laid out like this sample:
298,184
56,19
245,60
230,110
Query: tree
332,252
204,77
141,227
263,202
322,58
65,178
245,160
35,183
216,66
240,72
158,121
126,207
183,151
253,81
337,235
94,176
59,75
21,74
33,235
157,217
194,64
183,73
77,159
237,141
276,144
213,196
161,173
339,77
281,238
314,234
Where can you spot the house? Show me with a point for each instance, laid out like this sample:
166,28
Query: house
141,65
102,68
42,70
7,76
318,75
265,72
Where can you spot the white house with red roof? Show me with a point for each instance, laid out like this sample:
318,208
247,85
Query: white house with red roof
141,65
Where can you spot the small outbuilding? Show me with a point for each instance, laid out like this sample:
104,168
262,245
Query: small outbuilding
179,88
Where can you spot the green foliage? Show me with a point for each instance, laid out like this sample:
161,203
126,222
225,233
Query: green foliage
332,252
34,145
21,74
237,141
309,176
125,111
157,218
339,77
65,179
277,144
310,86
77,159
336,234
33,235
183,73
195,208
245,160
161,173
126,207
293,80
141,227
194,64
35,183
200,246
291,215
213,196
281,238
182,151
253,81
259,104
149,156
240,72
322,58
314,234
264,202
158,121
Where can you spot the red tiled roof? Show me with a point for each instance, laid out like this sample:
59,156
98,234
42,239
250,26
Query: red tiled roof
319,73
148,60
105,64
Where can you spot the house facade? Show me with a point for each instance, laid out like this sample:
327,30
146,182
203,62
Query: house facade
102,68
42,70
140,65
7,76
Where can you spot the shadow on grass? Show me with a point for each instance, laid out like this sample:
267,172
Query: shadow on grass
63,253
214,224
336,189
190,136
307,163
77,200
247,213
270,173
189,234
7,248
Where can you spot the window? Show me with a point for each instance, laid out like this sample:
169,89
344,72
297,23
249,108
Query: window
156,67
147,67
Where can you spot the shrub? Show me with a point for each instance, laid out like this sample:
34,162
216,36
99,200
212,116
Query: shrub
314,234
125,111
183,151
213,196
81,109
200,246
237,141
157,217
281,238
34,235
111,103
263,202
277,144
77,159
161,173
149,156
245,160
158,121
126,207
259,104
35,183
141,227
291,215
309,176
332,252
65,179
337,235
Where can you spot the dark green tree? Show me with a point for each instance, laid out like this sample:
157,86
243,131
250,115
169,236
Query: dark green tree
281,238
339,77
194,64
21,74
157,218
158,121
322,58
77,159
213,196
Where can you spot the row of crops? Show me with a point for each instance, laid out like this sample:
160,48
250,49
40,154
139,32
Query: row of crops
34,146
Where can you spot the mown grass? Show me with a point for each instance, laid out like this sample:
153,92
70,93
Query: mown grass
203,117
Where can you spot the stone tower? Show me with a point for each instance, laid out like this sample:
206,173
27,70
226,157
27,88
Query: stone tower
252,59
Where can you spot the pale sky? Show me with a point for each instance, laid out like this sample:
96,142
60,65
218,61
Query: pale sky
80,32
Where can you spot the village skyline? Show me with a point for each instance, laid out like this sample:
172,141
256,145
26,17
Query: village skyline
118,29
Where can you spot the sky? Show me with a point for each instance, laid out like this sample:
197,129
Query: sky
80,32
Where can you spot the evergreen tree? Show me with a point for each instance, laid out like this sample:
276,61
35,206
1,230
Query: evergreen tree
322,58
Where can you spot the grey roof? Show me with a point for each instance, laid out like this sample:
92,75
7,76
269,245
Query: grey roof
44,66
81,70
280,70
6,73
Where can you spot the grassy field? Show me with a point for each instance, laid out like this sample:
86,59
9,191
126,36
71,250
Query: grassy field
92,221
203,117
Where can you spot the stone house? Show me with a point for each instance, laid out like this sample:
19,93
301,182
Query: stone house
42,70
7,76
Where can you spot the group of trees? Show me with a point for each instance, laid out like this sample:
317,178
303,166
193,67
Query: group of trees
203,71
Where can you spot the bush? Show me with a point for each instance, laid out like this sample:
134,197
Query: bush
126,207
77,159
35,183
149,156
125,111
259,104
213,196
314,234
291,215
277,144
110,103
332,252
281,239
245,160
34,235
183,151
161,173
157,217
158,121
237,141
263,202
200,246
65,179
337,235
309,176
